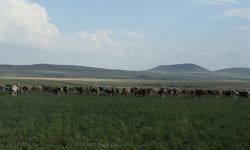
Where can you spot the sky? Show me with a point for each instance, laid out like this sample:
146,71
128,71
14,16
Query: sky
130,35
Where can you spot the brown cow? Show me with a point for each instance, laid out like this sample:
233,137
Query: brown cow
142,92
149,91
87,90
125,91
228,93
200,92
134,91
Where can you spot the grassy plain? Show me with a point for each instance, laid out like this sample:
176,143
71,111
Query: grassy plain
212,84
73,121
44,121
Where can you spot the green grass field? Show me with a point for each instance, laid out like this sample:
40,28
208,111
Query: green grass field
44,121
216,84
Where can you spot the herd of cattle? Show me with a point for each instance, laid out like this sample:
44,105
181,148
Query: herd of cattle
125,91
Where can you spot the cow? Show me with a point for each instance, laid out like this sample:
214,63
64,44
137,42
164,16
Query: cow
2,88
65,89
80,90
248,91
211,92
19,88
47,88
87,90
134,91
25,89
190,92
117,91
218,93
72,89
101,89
228,93
184,91
155,90
37,88
170,91
14,90
95,90
149,91
200,92
110,91
125,91
56,90
177,92
243,94
162,92
142,92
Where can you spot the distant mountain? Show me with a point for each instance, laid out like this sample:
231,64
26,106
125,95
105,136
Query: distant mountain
63,71
191,68
71,71
241,71
163,72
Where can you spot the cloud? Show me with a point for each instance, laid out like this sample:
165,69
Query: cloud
238,12
216,2
26,23
89,41
132,34
243,28
23,22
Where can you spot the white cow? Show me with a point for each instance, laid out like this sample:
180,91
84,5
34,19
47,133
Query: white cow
14,90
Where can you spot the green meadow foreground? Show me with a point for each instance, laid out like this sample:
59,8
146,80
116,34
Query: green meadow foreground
44,121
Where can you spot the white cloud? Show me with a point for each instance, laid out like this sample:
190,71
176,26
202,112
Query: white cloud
238,12
243,28
132,34
216,2
27,23
243,13
89,41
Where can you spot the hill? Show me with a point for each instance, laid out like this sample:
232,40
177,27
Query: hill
241,71
48,70
179,68
170,72
71,71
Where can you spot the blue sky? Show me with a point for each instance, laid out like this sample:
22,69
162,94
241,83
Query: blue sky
131,35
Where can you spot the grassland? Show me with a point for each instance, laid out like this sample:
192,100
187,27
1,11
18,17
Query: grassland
73,121
44,121
172,72
214,84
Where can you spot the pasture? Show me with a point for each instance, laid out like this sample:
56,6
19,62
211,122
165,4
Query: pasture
73,121
214,84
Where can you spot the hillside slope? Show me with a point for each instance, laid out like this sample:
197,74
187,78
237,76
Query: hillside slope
192,68
241,71
171,72
47,70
